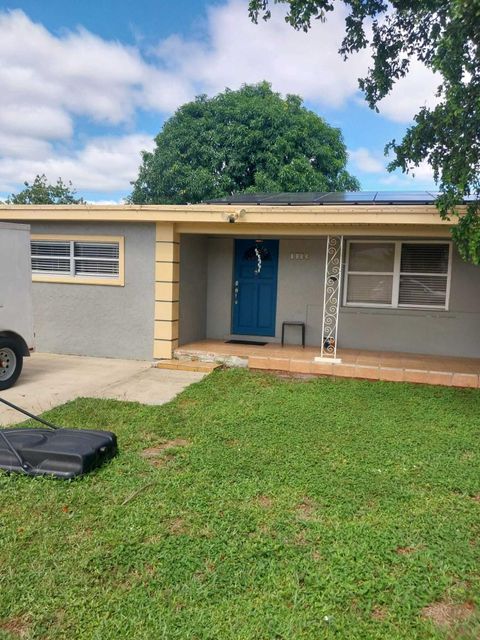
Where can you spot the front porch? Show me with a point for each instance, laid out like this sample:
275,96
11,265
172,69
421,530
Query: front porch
372,365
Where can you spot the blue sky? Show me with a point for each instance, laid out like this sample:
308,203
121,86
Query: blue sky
86,85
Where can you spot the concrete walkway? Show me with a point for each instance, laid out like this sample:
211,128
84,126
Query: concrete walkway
49,380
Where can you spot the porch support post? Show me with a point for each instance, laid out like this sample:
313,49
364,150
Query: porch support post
167,293
331,299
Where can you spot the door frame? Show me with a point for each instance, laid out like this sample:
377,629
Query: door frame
275,299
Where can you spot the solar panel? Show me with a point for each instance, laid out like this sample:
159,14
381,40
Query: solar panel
337,198
240,198
399,197
293,198
348,197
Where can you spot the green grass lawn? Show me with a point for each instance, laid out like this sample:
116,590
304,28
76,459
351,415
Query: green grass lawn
288,509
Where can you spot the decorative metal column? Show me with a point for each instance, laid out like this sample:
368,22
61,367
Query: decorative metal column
331,298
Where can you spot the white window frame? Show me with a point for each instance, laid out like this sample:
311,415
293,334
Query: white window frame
72,278
396,273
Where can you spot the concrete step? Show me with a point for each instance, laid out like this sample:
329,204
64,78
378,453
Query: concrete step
187,365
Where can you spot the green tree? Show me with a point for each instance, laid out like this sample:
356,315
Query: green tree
250,140
445,36
41,192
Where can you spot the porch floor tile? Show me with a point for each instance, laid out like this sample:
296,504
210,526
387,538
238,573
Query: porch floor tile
355,363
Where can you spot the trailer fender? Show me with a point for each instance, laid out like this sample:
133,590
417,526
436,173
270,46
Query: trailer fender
18,339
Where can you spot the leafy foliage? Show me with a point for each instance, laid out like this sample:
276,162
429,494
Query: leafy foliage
246,140
443,35
42,192
300,510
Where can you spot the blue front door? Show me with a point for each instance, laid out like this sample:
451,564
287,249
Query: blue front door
255,287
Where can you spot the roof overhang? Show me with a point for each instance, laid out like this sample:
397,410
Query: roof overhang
204,216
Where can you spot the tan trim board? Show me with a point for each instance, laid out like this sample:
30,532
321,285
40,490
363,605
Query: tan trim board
166,330
167,291
104,282
163,349
310,230
167,272
217,214
166,310
167,251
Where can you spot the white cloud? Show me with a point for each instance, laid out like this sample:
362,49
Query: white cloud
416,90
104,164
364,160
419,177
237,51
48,81
78,73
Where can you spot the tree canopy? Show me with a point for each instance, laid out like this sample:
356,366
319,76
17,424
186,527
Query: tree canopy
250,140
445,36
42,192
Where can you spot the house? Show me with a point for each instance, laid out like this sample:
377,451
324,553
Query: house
368,270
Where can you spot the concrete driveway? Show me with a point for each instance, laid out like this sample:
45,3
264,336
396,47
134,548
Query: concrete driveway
49,380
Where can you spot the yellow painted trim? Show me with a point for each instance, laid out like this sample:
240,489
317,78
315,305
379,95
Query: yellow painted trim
167,272
167,291
167,275
97,281
167,215
166,310
167,252
310,230
163,349
166,233
166,330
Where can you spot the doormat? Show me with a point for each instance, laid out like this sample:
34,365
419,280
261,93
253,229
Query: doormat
253,342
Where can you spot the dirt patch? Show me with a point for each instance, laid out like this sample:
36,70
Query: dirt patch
154,452
305,509
163,461
232,443
300,539
403,551
207,571
447,614
379,613
177,527
186,402
476,497
17,627
264,501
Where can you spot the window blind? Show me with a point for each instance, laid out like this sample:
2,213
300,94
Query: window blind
90,259
423,274
397,274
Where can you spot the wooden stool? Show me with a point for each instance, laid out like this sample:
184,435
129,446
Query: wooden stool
293,324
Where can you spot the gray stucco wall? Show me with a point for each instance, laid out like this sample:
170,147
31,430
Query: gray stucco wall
193,288
455,332
300,297
219,287
97,320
